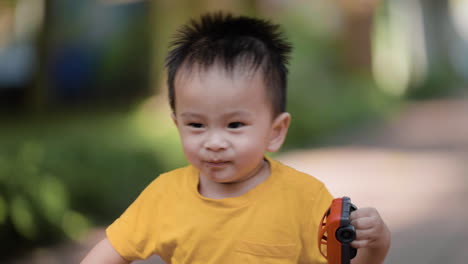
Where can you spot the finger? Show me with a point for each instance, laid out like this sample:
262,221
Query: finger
360,243
363,212
367,234
363,223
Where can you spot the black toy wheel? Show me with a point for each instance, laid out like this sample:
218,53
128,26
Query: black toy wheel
346,234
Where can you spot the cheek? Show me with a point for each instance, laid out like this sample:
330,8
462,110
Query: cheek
259,137
189,143
251,144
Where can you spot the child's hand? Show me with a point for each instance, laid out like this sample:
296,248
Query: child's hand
372,236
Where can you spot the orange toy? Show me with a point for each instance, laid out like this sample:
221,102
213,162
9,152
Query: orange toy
336,232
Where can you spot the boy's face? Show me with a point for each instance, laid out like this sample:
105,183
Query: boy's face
226,124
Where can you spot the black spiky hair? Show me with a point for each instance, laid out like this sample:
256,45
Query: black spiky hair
232,41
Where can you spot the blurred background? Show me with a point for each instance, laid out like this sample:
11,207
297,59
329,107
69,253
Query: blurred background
377,91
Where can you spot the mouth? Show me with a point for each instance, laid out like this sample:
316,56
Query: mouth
216,163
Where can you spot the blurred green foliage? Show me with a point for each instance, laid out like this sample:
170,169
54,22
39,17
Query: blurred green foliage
62,173
324,94
440,82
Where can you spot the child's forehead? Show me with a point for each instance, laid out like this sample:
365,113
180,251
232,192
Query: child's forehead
223,77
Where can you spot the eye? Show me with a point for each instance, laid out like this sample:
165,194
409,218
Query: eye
195,125
234,125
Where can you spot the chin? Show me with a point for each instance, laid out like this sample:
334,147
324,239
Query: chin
223,179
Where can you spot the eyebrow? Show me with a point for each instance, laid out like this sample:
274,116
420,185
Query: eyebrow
190,115
240,113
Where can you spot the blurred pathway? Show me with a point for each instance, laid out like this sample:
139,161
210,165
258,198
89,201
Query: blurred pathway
414,169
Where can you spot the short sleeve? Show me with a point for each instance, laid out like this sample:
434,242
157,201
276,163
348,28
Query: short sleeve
133,234
310,252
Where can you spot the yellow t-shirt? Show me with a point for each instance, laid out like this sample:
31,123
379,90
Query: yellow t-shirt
275,222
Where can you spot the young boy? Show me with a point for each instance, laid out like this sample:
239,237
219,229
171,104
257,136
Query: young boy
227,89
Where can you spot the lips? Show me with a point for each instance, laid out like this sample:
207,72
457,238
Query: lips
216,163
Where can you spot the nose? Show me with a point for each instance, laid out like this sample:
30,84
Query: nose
215,142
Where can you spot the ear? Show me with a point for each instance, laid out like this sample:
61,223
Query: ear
174,119
279,129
